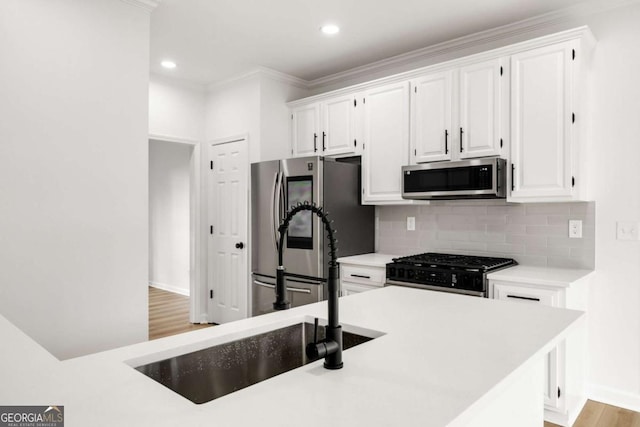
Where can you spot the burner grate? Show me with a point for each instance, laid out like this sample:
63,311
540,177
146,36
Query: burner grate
454,260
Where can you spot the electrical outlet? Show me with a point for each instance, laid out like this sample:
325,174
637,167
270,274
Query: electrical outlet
575,229
628,230
411,223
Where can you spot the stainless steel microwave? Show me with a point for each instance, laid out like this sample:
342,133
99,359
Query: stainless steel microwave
483,178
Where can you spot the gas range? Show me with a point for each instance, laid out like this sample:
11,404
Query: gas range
461,274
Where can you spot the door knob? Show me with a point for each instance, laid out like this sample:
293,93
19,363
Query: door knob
239,245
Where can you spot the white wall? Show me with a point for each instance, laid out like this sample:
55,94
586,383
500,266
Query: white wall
73,172
176,109
234,109
275,119
253,105
615,297
169,212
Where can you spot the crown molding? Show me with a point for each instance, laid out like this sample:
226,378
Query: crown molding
148,5
257,73
282,77
583,33
520,28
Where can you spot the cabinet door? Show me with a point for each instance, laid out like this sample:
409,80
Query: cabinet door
338,125
349,288
529,295
386,144
431,117
305,130
541,123
482,87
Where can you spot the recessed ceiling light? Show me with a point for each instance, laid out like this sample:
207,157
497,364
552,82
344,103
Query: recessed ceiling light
168,64
330,29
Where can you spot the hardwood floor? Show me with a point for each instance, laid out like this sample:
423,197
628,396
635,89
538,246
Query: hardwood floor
596,414
169,314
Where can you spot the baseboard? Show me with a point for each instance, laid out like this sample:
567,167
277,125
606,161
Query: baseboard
614,397
169,288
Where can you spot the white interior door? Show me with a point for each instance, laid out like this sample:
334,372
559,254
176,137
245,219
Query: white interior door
228,276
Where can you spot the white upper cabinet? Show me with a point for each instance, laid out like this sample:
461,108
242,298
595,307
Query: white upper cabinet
483,87
523,102
305,128
338,124
325,128
460,113
545,142
431,117
386,143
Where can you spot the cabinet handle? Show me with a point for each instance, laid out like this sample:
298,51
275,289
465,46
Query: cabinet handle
446,141
323,136
361,276
513,182
525,298
461,132
315,142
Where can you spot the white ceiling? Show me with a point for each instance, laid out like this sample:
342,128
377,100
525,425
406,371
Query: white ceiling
214,40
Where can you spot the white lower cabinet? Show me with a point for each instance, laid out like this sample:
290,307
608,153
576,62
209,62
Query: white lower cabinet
564,394
550,297
360,278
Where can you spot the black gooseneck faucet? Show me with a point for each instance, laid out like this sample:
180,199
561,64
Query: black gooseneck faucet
331,347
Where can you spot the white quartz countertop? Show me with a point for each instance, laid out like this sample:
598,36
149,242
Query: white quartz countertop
440,358
546,276
371,260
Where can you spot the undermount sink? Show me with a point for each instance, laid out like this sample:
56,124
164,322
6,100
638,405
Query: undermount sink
207,374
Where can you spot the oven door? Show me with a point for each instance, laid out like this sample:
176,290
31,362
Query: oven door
476,178
436,288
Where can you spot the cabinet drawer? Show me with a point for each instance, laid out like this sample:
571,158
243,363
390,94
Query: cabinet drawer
373,276
526,294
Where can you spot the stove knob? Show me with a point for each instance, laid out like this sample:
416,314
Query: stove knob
401,272
392,271
411,274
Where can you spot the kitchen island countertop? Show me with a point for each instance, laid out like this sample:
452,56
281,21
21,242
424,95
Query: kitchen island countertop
440,360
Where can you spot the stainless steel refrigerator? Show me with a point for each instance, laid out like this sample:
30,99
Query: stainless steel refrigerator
276,185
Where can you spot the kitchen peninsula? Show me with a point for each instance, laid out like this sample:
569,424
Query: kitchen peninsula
438,359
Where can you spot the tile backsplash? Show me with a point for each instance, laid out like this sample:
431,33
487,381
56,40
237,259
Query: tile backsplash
532,234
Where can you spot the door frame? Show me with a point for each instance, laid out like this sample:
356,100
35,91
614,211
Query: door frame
205,230
197,313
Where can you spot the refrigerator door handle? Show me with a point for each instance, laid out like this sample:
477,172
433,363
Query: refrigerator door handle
267,285
278,214
305,282
274,197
